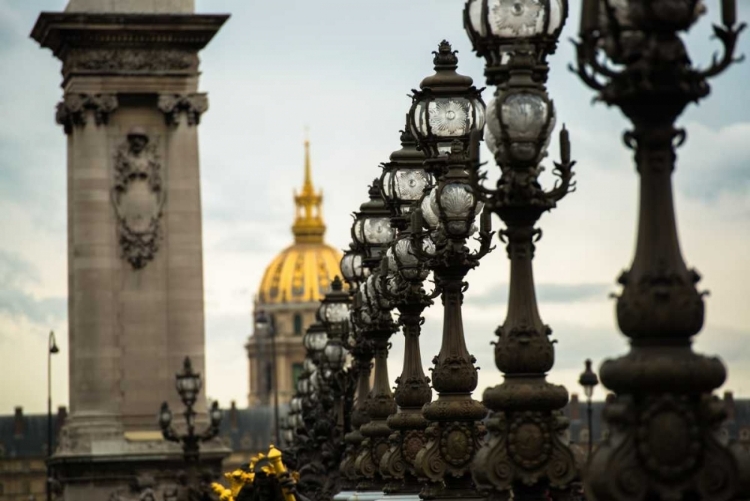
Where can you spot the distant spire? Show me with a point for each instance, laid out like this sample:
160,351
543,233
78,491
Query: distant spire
308,225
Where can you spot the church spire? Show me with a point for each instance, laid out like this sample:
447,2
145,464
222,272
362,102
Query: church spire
308,226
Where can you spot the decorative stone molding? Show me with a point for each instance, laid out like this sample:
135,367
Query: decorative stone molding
131,60
72,109
193,105
138,197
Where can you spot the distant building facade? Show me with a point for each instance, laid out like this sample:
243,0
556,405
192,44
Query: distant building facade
289,293
23,439
23,448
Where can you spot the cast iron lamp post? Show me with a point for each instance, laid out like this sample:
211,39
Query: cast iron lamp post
334,315
362,353
404,181
372,231
264,326
525,453
454,432
189,385
589,380
51,350
663,441
446,118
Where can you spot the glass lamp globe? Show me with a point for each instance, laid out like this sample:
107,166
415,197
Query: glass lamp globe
165,415
496,27
315,338
188,383
295,405
335,355
288,436
371,230
429,212
458,208
447,107
520,124
351,267
404,178
409,265
308,365
334,309
215,414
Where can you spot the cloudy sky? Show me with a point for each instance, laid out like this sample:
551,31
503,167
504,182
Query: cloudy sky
343,68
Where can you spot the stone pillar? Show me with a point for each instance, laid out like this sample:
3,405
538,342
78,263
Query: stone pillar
131,111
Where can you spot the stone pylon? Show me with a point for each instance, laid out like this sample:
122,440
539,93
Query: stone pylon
130,110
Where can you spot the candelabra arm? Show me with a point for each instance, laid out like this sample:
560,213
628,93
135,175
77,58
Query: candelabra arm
728,36
169,433
564,183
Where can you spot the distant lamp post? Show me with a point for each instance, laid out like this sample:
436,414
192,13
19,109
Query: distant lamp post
188,385
264,325
51,350
589,380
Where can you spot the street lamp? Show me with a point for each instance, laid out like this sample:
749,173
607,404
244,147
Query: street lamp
334,315
589,380
632,55
265,328
447,108
515,38
51,350
189,384
372,234
404,181
446,118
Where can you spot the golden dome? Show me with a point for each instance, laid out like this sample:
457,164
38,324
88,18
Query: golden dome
303,271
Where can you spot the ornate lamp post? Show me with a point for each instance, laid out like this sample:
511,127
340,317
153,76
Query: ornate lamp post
589,380
663,441
446,116
334,315
264,326
402,274
189,385
362,353
526,423
372,232
51,350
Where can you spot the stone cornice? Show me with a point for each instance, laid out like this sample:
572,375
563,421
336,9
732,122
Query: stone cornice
56,30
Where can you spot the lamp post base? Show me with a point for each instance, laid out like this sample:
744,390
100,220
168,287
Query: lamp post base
400,497
366,496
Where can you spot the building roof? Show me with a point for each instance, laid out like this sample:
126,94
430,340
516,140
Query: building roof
302,272
250,429
25,436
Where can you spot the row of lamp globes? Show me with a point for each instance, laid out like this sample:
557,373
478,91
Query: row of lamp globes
325,342
447,109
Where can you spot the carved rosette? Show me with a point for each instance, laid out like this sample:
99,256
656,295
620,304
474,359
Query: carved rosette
193,105
71,111
138,198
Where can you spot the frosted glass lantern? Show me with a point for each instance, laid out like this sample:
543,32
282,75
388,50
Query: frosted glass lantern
447,107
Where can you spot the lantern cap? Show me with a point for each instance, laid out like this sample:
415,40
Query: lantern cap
446,78
408,153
